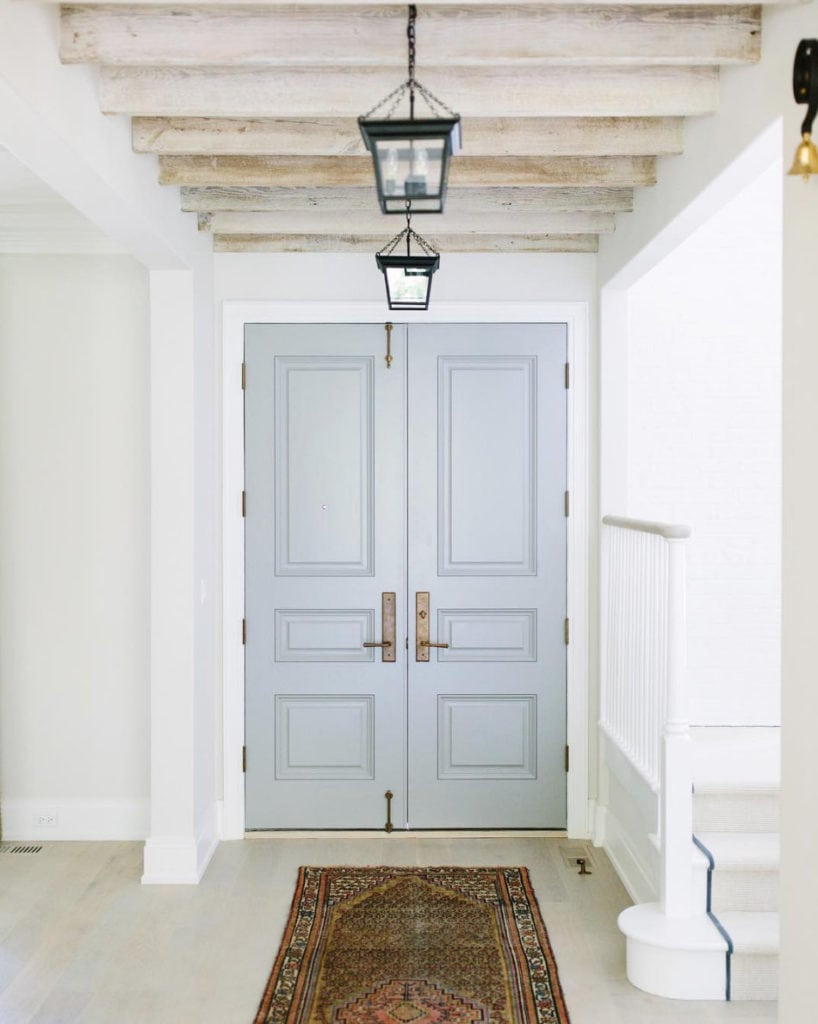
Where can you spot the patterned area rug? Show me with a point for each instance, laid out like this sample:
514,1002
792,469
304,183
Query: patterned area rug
386,945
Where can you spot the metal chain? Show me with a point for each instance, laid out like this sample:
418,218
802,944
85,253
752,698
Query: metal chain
431,99
428,249
391,245
410,33
401,89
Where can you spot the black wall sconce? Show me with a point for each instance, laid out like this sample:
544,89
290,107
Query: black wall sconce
805,90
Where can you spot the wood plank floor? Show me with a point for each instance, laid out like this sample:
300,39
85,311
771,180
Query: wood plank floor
82,942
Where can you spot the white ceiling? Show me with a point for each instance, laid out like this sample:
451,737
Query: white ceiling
35,219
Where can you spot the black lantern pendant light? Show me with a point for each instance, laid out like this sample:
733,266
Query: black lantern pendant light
408,278
805,90
411,155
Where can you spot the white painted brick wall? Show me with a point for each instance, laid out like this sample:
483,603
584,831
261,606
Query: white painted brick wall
704,445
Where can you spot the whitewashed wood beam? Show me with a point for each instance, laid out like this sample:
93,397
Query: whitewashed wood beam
344,222
371,244
362,36
465,172
348,92
473,201
483,136
423,5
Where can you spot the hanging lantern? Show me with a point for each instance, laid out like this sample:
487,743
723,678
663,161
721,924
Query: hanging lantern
411,155
408,278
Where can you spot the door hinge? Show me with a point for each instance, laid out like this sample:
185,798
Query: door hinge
244,376
567,376
567,757
567,631
244,758
244,504
567,503
244,631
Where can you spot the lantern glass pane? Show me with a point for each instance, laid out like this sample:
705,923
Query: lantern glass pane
408,285
411,169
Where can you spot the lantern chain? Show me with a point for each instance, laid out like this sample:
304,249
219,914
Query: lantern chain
410,33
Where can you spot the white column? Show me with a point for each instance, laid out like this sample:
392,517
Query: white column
171,849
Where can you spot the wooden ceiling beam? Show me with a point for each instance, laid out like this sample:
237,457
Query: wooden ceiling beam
472,201
345,222
448,36
372,243
351,171
483,136
347,92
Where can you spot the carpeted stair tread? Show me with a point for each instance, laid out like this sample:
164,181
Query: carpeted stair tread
752,932
743,851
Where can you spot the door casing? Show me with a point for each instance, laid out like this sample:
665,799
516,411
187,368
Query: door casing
579,704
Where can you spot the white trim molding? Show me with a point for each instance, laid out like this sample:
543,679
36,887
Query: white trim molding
181,860
575,315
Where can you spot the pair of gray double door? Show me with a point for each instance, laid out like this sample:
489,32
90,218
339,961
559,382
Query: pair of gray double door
438,479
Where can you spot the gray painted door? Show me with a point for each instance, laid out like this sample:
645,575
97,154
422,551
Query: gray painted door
444,476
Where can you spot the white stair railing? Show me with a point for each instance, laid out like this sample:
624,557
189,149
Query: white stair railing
644,698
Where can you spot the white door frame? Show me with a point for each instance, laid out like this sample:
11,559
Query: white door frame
576,317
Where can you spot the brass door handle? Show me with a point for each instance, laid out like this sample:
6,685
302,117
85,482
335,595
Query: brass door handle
388,624
422,641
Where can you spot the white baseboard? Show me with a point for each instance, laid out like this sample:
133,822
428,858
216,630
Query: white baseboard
633,872
46,820
181,860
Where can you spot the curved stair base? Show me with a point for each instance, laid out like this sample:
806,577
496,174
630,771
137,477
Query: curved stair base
678,958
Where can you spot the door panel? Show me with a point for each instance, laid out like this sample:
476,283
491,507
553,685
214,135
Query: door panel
487,449
325,537
468,734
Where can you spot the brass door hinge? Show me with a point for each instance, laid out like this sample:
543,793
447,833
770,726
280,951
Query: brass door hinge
567,632
567,757
567,376
244,376
567,503
244,759
243,504
244,631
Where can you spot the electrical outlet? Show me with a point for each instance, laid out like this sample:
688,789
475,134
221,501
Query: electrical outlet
46,819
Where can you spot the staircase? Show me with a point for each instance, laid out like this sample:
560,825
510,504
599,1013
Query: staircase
735,823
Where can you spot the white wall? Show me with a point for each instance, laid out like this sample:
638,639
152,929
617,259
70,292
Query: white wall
704,448
752,100
74,545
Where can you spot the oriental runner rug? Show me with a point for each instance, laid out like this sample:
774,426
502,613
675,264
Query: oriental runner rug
389,945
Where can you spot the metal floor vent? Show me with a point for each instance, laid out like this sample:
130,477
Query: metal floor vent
18,848
571,855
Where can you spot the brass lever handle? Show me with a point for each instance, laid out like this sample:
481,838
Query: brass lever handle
422,641
388,624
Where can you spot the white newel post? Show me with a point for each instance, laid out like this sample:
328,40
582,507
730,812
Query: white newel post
677,768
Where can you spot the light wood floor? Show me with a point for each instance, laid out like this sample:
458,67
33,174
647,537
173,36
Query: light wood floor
84,943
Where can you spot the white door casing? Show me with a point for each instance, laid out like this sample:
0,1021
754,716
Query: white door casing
575,317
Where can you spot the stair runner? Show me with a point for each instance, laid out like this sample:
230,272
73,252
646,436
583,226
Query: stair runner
736,828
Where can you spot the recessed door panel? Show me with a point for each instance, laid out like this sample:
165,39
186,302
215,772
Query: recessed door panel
324,465
487,460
